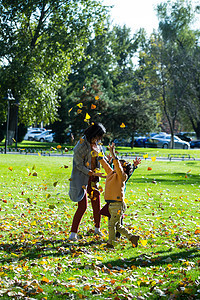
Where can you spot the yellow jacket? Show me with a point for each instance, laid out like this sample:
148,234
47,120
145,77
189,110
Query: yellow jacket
115,181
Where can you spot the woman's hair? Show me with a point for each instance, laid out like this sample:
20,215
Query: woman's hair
128,168
95,130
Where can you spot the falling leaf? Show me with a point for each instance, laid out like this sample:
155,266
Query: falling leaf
70,110
122,125
96,97
145,156
79,111
93,106
80,105
14,140
65,166
66,150
59,147
153,158
10,168
39,154
87,116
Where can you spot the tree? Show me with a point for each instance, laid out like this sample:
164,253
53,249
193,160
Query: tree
39,41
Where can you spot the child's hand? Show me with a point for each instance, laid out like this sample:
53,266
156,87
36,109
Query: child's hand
137,161
111,148
109,158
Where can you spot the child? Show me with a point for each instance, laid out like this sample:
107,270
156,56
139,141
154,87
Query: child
114,196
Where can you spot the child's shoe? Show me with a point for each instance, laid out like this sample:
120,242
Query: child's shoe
98,231
134,240
73,236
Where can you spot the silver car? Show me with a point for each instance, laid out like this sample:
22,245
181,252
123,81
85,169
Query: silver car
162,140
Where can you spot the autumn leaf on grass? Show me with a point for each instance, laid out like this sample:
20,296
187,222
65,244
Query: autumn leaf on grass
10,168
122,125
149,169
197,231
145,156
143,242
48,196
55,183
51,206
29,200
44,280
34,173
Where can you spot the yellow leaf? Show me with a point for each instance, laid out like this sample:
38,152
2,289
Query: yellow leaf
79,111
80,105
86,287
100,154
122,125
153,158
10,168
145,156
143,242
39,154
87,116
97,98
70,110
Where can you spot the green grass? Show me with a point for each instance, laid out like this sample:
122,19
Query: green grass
38,261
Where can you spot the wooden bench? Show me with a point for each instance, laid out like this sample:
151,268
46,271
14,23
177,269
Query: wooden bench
182,156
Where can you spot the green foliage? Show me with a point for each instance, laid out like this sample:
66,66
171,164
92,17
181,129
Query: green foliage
39,42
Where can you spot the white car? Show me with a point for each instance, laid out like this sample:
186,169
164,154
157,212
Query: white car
32,132
162,140
42,136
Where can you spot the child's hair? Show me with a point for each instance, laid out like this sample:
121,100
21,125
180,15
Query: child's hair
95,130
128,168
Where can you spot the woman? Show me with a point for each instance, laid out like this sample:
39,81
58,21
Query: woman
84,179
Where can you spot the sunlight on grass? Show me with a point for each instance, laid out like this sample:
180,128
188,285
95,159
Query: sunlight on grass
38,261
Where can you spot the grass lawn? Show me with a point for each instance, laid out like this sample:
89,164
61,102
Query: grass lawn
38,262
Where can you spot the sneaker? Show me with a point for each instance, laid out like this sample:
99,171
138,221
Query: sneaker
97,231
134,240
73,236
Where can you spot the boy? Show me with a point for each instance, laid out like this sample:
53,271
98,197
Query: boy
114,196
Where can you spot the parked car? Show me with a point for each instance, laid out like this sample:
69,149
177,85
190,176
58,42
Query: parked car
140,141
41,137
122,142
162,140
184,137
195,144
32,132
49,138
